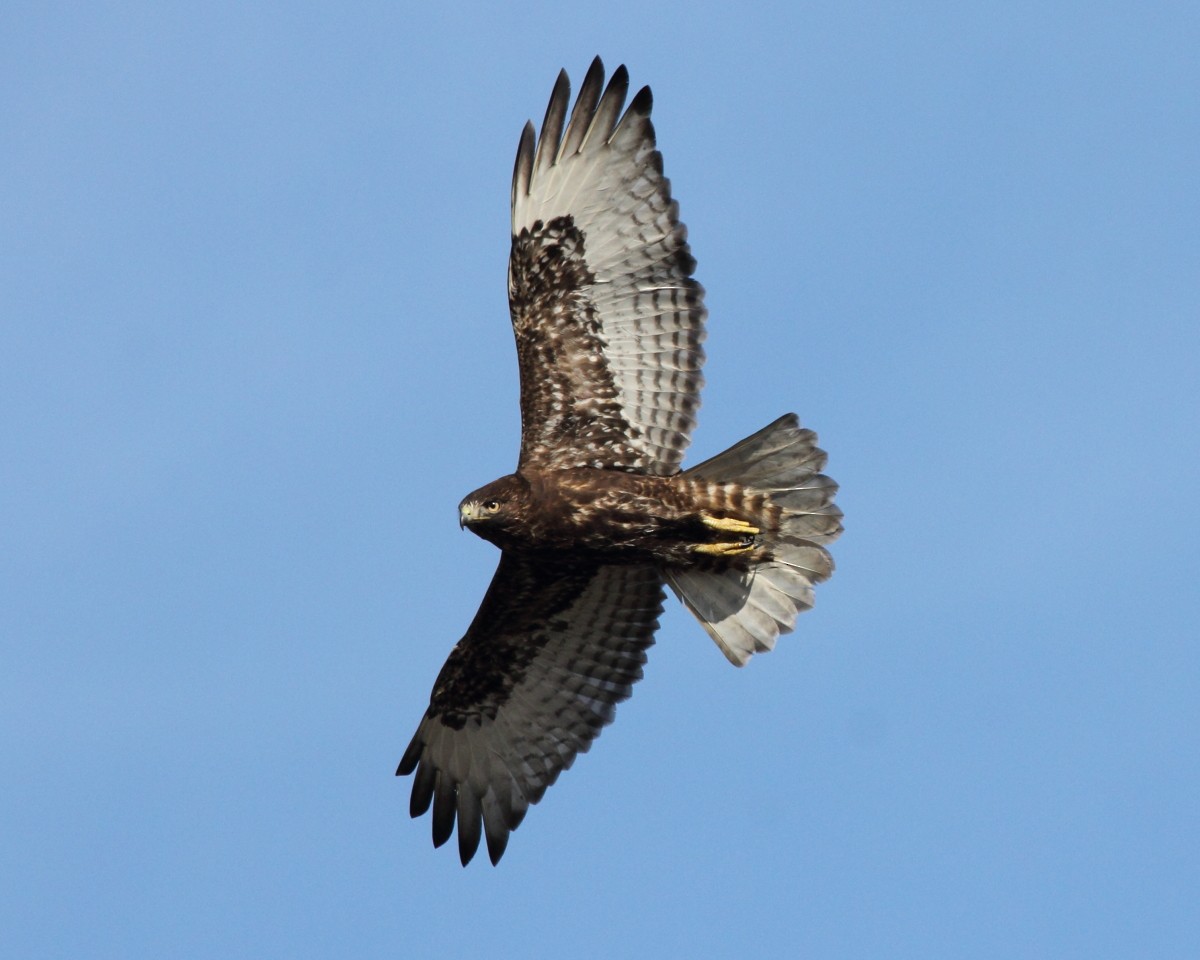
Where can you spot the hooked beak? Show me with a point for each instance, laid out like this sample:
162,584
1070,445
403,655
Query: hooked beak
466,513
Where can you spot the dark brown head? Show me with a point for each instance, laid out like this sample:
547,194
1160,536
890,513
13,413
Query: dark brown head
496,511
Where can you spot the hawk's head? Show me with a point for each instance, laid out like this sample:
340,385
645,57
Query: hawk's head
495,511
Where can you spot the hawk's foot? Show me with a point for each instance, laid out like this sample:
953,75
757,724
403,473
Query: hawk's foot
727,549
728,525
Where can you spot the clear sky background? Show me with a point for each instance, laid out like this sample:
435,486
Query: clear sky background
254,347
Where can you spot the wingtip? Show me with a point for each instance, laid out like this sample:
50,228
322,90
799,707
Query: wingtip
440,836
408,762
561,94
497,843
523,166
642,102
445,810
468,844
595,70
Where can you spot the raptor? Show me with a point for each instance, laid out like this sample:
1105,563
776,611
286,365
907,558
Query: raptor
599,515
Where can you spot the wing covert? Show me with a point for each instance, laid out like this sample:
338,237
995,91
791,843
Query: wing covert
607,318
548,656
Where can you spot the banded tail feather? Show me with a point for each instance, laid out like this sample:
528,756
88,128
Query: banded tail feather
745,607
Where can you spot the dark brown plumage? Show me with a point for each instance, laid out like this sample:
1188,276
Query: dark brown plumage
598,517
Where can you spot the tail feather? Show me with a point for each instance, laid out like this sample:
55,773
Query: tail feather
745,610
816,522
735,610
778,457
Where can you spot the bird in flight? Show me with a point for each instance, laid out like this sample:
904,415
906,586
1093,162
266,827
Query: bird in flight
599,515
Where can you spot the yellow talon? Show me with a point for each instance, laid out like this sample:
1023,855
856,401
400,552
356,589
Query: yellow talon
728,524
724,549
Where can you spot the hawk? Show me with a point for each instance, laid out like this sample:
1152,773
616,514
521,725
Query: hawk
598,515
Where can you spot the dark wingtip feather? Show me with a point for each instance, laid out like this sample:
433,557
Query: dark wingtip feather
523,167
595,72
444,810
552,123
470,824
584,110
497,843
642,102
608,111
422,791
408,763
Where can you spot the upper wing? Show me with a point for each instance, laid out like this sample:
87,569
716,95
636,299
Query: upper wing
607,317
548,656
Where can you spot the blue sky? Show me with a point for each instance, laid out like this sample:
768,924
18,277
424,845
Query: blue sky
254,348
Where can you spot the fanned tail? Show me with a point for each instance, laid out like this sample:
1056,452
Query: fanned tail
746,608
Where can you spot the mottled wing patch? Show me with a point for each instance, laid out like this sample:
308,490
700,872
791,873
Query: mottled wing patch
607,317
550,653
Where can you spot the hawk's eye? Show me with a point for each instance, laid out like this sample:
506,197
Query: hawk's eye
491,506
